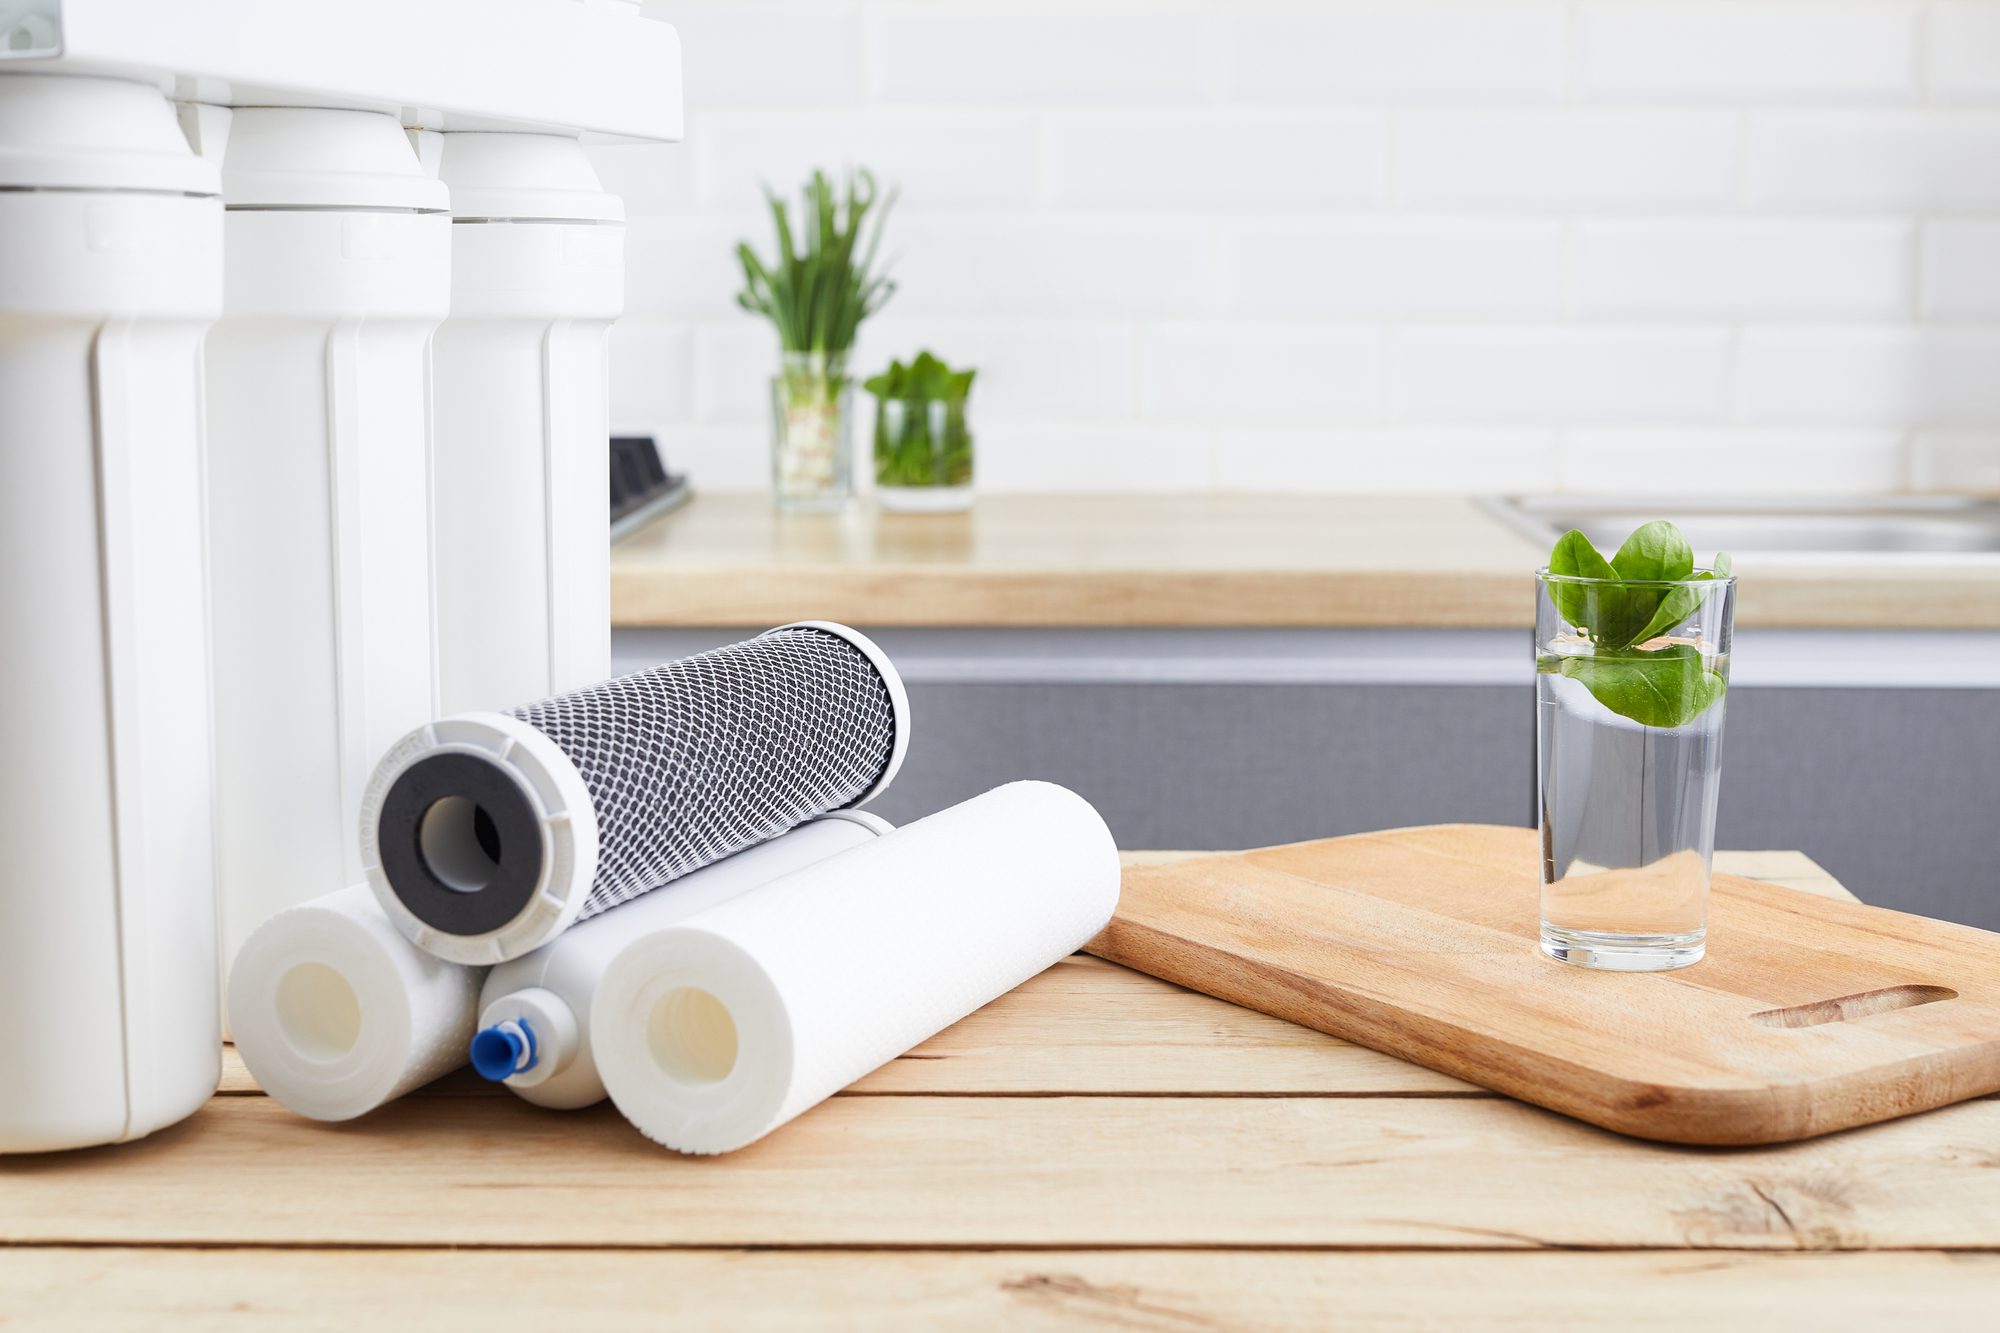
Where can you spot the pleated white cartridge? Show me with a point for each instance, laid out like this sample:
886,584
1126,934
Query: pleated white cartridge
534,1012
335,1013
711,1033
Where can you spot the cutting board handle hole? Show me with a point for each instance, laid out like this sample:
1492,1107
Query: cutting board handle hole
1853,1006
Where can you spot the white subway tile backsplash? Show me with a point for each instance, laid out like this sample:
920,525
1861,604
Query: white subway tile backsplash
1403,267
733,456
1733,461
766,52
1141,458
734,361
1960,263
1956,461
1749,50
1395,51
1216,159
1384,460
1560,374
1024,54
1963,51
686,267
1053,265
1362,245
1554,160
1259,372
652,373
652,178
944,159
1874,160
1743,269
1890,376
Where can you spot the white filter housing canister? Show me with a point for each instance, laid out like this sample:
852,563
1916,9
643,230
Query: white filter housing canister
522,423
338,272
110,270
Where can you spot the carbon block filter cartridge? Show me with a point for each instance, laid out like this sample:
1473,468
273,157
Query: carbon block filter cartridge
486,835
110,269
335,1013
534,1013
712,1033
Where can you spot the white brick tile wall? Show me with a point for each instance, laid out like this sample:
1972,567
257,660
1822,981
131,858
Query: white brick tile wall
767,53
1232,160
1730,461
945,159
1743,269
1054,265
1394,51
1386,460
1960,264
1963,55
1404,267
1005,54
1876,376
1753,51
1956,460
1551,160
1230,372
1874,160
1361,245
1142,458
1561,374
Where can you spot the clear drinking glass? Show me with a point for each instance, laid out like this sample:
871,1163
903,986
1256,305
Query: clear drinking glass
812,408
1631,681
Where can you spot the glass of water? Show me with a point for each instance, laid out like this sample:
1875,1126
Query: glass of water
1628,764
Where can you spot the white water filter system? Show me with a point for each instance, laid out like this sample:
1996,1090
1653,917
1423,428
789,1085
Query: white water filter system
110,270
521,422
337,273
534,1012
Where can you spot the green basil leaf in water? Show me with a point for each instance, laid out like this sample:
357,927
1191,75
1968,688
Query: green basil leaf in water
1655,551
1667,688
1575,558
1683,601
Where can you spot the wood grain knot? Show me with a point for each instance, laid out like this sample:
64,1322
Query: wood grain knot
1853,1006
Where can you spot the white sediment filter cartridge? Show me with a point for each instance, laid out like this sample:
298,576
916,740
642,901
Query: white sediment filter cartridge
521,447
110,270
711,1033
485,835
338,270
534,1012
335,1013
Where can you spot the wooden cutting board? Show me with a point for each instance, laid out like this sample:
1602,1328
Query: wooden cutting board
1807,1016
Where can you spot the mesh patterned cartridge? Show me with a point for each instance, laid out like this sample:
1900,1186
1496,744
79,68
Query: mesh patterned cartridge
487,834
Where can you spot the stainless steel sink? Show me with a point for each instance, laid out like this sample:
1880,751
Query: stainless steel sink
1892,525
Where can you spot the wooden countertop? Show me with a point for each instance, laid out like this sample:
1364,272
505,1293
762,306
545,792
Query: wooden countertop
1198,560
1097,1148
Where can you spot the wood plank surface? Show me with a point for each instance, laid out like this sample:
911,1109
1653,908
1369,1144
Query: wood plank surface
1807,1016
490,1291
1014,1171
1182,560
1090,1026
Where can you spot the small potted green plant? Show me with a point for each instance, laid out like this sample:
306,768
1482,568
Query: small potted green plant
923,447
822,285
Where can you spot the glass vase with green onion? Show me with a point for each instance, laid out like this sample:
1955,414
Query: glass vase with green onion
923,446
823,283
1632,678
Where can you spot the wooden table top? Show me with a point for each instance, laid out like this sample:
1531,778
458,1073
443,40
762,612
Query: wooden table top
1096,1149
1183,560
